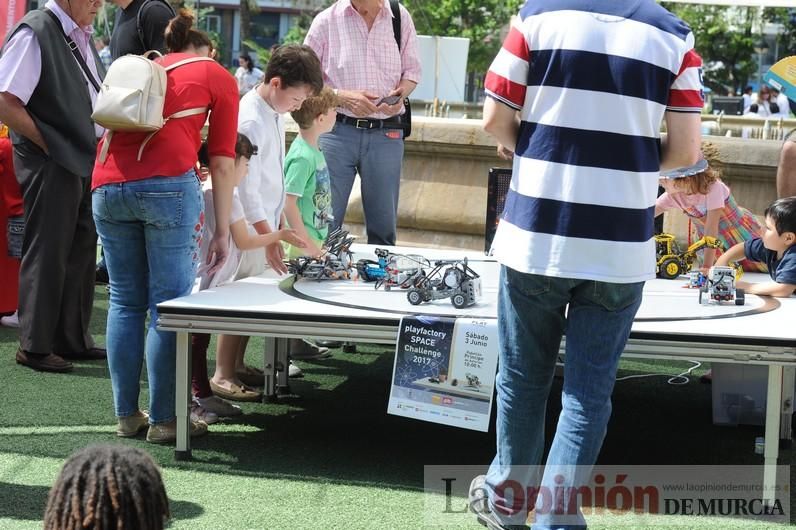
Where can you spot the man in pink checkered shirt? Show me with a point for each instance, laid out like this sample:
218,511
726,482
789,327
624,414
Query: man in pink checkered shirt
361,60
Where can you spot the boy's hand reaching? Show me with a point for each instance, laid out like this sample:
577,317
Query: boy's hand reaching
275,256
722,261
314,250
217,253
746,286
290,236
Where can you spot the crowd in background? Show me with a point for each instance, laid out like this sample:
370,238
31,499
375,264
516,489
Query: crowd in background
768,102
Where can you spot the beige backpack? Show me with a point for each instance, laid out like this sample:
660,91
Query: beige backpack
132,96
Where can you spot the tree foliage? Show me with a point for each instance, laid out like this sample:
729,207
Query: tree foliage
786,40
725,38
309,8
247,7
481,21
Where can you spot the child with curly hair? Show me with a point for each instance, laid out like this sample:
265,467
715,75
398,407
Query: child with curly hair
701,195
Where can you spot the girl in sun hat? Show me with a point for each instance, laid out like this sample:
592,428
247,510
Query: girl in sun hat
701,195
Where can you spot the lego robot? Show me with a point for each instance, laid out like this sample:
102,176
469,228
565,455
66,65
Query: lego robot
452,279
336,263
392,270
719,287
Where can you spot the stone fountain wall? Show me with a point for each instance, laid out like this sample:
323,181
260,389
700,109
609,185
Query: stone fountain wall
444,183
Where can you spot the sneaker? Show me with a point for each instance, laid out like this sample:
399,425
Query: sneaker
199,413
130,426
10,321
478,503
302,350
162,433
293,370
219,407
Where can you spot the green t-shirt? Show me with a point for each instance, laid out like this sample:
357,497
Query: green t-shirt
307,177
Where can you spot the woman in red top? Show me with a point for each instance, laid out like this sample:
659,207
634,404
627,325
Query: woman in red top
10,207
149,216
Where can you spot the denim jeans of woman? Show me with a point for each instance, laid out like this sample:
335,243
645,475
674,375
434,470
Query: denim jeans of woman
533,314
150,232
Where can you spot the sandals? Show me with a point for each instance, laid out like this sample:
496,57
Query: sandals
236,392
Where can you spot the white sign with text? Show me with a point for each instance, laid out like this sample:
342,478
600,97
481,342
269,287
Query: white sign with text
444,370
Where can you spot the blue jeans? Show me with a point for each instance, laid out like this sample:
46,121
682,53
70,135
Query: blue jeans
377,157
531,321
150,231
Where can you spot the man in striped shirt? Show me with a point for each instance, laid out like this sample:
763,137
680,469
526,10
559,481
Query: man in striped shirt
578,92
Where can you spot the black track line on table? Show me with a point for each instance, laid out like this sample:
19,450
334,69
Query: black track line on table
287,286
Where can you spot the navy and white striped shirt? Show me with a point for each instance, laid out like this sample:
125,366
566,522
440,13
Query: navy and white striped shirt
591,81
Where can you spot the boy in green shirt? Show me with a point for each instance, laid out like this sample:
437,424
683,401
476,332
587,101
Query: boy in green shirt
308,205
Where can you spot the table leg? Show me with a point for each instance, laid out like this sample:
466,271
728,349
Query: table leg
269,367
786,417
773,410
182,451
282,351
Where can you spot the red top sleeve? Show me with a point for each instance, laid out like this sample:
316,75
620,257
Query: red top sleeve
223,130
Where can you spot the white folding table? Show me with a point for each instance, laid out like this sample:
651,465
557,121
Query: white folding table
670,324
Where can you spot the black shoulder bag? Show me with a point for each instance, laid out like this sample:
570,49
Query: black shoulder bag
406,118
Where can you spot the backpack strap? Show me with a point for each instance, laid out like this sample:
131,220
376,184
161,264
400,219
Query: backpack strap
396,22
106,143
181,114
139,17
406,119
186,61
103,155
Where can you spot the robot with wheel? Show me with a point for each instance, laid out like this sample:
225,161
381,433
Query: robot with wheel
336,263
448,279
392,270
719,287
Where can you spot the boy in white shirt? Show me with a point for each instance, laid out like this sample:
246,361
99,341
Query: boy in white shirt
293,74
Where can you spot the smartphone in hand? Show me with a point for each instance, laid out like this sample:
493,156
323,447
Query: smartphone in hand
389,100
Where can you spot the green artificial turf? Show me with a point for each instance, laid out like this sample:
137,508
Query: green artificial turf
329,456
